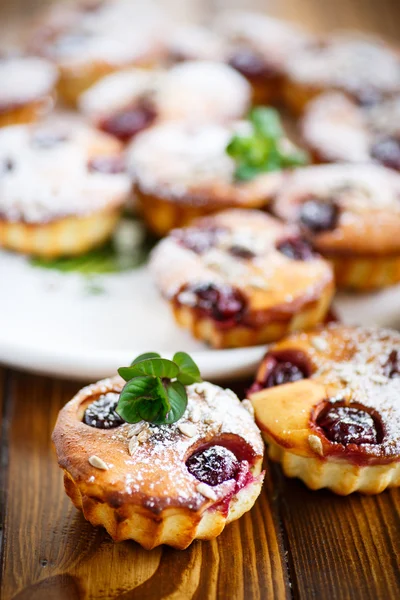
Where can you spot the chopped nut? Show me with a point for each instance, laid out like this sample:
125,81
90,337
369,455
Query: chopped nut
379,378
143,435
98,463
136,428
361,369
133,446
319,343
316,444
248,406
195,415
188,429
206,491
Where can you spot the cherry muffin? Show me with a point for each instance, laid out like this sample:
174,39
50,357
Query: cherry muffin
62,188
127,102
351,215
259,47
160,484
364,68
337,129
87,40
27,88
183,170
241,278
327,402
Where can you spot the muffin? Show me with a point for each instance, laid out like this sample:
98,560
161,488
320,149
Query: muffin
62,188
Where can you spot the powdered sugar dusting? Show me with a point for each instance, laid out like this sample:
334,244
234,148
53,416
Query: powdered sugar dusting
25,80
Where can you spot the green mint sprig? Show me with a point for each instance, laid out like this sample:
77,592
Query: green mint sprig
155,389
265,148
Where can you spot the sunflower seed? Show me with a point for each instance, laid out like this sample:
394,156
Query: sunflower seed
98,463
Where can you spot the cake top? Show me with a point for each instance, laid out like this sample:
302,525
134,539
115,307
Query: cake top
194,42
146,463
25,79
53,170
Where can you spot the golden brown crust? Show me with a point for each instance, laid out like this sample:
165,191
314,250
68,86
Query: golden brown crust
347,367
139,487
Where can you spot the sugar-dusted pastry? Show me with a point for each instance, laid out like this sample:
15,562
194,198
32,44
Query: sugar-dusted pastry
195,42
328,404
62,188
336,129
241,278
259,47
351,215
27,89
129,101
87,40
365,68
160,480
186,170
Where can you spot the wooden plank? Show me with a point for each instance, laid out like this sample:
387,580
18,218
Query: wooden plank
50,551
341,547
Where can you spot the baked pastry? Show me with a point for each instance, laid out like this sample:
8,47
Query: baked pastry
27,90
364,68
127,102
351,215
87,40
241,278
62,188
194,42
327,402
182,171
259,47
160,484
337,129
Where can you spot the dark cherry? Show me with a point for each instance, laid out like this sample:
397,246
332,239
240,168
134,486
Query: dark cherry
214,465
241,252
111,165
276,370
198,240
387,152
392,366
48,139
7,165
296,248
347,425
223,304
129,121
249,64
317,215
368,97
101,413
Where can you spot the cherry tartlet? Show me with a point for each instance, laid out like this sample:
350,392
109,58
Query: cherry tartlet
259,46
88,40
182,171
129,101
351,215
337,129
327,403
364,68
241,278
62,188
160,484
27,92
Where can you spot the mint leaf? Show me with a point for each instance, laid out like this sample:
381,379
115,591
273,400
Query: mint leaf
144,356
178,401
188,370
156,367
143,398
266,121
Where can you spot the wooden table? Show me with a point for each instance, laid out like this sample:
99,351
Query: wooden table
294,543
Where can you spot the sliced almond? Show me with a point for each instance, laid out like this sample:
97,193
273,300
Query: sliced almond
133,445
136,428
98,463
188,429
206,491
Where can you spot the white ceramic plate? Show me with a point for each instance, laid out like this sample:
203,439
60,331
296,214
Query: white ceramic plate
51,323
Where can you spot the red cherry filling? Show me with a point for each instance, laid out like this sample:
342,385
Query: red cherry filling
348,425
128,122
296,248
387,152
224,304
317,215
277,370
198,240
110,165
392,366
249,64
214,465
101,413
241,252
